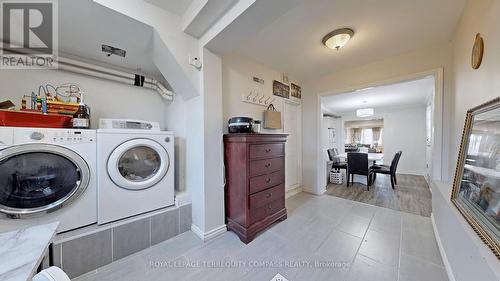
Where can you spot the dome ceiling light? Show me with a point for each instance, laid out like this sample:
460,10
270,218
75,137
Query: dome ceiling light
364,112
338,38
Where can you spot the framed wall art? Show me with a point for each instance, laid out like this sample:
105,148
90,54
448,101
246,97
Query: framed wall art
476,186
296,91
281,90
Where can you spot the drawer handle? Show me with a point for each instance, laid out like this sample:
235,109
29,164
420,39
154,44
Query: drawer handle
269,195
268,150
268,180
270,207
268,165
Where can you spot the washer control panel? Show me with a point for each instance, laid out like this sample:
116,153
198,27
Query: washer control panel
55,136
128,124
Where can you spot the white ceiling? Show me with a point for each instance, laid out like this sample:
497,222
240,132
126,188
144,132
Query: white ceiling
388,96
87,25
383,28
177,7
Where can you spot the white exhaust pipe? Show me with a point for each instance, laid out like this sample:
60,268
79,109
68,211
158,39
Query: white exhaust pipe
84,68
114,75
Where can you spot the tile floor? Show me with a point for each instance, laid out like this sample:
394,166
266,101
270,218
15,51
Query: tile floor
324,238
411,195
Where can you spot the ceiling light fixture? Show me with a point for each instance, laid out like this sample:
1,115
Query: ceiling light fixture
364,112
338,38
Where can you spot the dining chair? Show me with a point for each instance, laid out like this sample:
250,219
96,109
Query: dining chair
357,164
337,165
388,170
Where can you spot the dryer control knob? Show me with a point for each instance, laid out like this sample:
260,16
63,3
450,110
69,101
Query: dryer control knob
37,136
167,139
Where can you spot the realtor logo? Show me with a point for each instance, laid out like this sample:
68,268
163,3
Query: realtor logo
29,34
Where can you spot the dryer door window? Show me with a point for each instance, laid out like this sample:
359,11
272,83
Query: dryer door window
38,178
138,164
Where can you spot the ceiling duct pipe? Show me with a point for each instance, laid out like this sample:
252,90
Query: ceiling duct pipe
93,70
114,75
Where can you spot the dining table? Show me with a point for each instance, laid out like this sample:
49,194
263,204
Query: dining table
372,157
375,157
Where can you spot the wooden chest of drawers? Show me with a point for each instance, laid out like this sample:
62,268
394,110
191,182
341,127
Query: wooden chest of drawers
255,182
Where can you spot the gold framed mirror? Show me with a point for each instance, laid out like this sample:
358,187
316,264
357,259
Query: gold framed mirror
476,186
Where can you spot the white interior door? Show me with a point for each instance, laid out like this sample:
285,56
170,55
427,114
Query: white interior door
293,150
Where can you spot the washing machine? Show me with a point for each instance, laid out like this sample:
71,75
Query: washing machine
47,175
135,169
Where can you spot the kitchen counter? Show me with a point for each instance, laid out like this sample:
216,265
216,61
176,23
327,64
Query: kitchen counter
22,251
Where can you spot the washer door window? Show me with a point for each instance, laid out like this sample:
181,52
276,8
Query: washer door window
39,178
138,164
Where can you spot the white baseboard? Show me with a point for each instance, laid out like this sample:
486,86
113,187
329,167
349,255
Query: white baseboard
205,236
311,191
441,250
293,191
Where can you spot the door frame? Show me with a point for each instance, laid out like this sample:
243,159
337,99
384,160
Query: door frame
438,163
294,189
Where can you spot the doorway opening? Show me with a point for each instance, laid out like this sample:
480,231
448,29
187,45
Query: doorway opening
392,126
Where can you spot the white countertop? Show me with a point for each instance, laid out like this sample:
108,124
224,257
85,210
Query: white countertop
22,251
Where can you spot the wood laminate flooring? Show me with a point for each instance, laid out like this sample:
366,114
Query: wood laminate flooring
411,195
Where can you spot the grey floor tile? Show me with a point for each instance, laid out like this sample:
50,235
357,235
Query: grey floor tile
381,247
354,225
414,269
228,244
267,273
173,248
323,274
422,245
291,227
363,210
386,220
175,270
130,269
416,223
338,244
339,247
365,268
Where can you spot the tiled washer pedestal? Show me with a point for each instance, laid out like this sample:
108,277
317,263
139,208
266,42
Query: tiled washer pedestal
83,250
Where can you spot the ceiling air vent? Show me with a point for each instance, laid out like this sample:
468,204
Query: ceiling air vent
110,50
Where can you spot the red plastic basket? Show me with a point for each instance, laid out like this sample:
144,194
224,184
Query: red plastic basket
33,119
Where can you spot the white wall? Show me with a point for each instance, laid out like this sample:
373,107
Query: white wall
106,99
237,80
330,122
178,45
213,149
175,120
405,65
404,129
469,258
237,74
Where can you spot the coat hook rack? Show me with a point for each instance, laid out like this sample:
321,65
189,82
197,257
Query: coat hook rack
257,98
